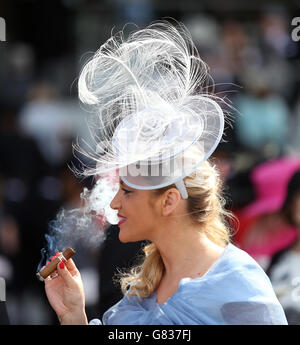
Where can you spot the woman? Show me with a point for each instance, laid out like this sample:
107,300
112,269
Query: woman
158,129
191,273
284,269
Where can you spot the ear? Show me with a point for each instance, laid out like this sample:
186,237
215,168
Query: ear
170,200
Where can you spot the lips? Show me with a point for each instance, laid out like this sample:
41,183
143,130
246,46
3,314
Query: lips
122,219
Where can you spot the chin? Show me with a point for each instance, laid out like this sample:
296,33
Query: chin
123,238
127,239
126,236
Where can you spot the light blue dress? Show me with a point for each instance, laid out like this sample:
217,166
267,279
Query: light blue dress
234,291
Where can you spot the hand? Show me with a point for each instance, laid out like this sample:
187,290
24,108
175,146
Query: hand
66,295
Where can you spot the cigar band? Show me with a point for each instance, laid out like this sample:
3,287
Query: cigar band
61,257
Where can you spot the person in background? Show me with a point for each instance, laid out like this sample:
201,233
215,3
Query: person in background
284,268
263,231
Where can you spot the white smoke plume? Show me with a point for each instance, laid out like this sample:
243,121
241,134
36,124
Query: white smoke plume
84,226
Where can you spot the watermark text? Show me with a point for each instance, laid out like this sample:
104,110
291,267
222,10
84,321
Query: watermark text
2,290
2,29
296,31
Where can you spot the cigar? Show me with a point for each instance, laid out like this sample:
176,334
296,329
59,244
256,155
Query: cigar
52,266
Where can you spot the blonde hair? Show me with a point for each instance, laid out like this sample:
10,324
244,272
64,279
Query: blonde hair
206,207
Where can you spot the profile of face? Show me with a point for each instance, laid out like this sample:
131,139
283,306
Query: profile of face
142,213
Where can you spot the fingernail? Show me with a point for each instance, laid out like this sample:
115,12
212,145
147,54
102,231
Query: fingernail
61,265
57,253
53,257
48,262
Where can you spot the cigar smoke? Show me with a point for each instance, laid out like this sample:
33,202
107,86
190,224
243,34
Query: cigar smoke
84,226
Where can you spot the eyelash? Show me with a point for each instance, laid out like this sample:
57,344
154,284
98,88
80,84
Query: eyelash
126,191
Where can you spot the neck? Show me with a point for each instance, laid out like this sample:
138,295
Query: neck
186,251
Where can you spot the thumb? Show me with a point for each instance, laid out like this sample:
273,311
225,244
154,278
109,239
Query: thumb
65,274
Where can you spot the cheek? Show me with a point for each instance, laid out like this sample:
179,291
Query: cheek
141,217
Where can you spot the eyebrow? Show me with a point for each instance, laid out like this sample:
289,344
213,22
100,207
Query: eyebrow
121,182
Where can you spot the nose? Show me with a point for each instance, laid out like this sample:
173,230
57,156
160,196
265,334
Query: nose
115,203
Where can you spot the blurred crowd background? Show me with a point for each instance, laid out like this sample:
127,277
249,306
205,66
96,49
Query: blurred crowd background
255,65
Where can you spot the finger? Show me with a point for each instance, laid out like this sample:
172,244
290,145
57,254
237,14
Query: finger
47,280
69,263
71,266
65,274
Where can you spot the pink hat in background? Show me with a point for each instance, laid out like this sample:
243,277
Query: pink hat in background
270,180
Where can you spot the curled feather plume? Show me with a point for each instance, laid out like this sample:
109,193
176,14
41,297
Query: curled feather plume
149,94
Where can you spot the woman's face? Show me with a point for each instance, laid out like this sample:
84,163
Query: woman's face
137,213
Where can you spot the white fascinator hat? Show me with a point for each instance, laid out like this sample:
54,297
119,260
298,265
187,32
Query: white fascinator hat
156,122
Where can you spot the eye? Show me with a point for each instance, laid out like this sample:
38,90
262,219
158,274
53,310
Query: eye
126,191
